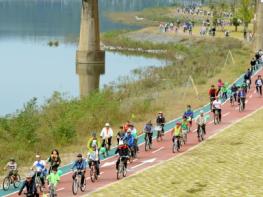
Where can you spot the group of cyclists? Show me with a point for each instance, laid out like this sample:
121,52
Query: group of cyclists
46,171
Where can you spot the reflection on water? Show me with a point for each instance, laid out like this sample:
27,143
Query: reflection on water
59,18
29,68
37,70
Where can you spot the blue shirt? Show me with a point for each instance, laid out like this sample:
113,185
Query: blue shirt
189,113
80,165
129,139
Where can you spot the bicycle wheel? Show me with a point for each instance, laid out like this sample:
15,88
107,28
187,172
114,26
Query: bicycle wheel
39,184
174,146
17,181
6,183
83,186
146,143
178,145
92,174
124,171
119,172
75,186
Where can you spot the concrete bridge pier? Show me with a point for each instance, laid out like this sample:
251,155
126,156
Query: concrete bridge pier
90,59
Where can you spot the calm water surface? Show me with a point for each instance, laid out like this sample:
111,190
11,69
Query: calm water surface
30,68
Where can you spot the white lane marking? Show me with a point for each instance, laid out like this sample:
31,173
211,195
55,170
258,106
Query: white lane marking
108,164
211,122
194,130
99,175
60,189
135,160
250,96
226,114
158,150
144,162
246,101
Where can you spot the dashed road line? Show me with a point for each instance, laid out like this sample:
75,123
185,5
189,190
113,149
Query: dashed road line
158,150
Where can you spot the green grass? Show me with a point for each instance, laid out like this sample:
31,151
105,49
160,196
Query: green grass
229,164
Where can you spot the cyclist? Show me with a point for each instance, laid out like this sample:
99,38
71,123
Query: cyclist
234,90
212,94
123,152
80,165
189,114
217,105
220,84
53,178
177,132
106,135
224,91
259,83
93,141
54,159
120,134
129,139
247,78
185,126
201,122
253,64
160,120
94,157
11,166
242,96
148,130
30,185
134,133
40,167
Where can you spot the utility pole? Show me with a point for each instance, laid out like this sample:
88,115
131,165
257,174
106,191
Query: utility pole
258,41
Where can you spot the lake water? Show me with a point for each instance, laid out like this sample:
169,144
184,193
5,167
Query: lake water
30,68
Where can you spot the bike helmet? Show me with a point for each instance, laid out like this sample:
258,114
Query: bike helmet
201,112
30,174
94,134
120,142
79,155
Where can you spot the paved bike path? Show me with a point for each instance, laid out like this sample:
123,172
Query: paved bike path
161,150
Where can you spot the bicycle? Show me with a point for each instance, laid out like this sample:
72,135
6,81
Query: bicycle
76,184
201,134
216,117
133,153
148,145
248,84
38,182
184,138
176,144
232,101
159,130
242,104
13,179
93,172
52,190
122,171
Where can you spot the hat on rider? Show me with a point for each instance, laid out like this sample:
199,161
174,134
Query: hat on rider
79,155
107,124
30,174
201,112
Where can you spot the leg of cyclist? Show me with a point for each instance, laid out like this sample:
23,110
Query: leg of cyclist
198,130
203,126
97,165
150,137
74,175
109,143
82,177
125,161
118,163
220,114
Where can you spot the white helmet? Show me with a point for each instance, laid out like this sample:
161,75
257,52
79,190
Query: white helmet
120,142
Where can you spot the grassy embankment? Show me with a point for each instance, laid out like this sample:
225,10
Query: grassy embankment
229,164
66,123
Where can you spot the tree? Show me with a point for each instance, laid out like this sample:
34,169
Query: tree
235,22
246,12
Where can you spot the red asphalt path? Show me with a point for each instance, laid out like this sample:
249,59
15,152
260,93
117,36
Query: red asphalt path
162,151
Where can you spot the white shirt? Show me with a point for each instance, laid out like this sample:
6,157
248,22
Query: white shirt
259,82
106,133
201,120
217,104
39,165
94,156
